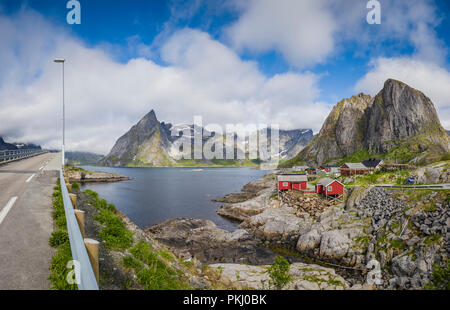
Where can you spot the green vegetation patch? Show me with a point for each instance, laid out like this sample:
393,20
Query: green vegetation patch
279,273
440,279
151,272
60,241
113,231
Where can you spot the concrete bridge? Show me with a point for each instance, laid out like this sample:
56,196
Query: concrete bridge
26,187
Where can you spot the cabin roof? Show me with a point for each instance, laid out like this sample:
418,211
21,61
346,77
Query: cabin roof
371,163
292,178
300,167
358,166
327,181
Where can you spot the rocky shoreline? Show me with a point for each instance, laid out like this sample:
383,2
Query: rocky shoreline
83,176
406,237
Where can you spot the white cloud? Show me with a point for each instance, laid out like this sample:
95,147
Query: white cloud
105,98
427,77
301,30
310,32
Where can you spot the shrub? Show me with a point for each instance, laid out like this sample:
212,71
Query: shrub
75,186
279,273
440,279
58,238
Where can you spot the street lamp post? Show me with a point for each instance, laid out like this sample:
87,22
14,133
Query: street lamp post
62,61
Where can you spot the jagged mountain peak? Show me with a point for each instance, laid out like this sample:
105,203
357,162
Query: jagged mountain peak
150,142
399,118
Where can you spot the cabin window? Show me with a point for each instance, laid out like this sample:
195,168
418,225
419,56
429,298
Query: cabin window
330,188
285,184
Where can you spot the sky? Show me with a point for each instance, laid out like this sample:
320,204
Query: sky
285,62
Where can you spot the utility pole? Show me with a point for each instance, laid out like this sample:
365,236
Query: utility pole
62,61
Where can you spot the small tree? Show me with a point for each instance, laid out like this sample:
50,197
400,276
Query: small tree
279,273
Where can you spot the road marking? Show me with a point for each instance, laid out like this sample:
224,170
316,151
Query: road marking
29,179
6,209
41,168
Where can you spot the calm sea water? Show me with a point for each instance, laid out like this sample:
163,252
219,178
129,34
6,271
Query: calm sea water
156,194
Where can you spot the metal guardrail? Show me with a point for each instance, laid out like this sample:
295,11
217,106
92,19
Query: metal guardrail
86,280
7,156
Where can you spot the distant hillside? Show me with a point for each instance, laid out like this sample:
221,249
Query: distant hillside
83,158
400,124
17,145
6,146
150,143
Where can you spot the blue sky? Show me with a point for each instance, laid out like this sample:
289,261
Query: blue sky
306,55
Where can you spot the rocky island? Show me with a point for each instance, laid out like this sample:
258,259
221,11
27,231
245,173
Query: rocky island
80,175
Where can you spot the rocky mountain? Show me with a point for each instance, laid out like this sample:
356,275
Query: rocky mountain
292,141
151,143
6,146
147,142
399,124
17,145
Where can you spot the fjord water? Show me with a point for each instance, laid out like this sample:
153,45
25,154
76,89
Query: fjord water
156,194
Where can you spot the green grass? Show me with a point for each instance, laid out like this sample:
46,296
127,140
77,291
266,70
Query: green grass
60,241
151,267
393,177
398,244
433,239
151,272
75,186
91,193
113,231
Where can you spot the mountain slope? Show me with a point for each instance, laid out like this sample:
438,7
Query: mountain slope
146,143
399,124
150,143
82,158
6,146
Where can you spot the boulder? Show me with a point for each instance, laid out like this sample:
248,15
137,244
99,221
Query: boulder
309,241
334,244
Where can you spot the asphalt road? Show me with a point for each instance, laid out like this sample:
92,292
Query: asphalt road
26,188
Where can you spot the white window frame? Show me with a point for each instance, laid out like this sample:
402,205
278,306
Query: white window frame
284,184
329,188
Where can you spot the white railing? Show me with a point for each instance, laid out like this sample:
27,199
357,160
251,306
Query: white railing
86,279
7,156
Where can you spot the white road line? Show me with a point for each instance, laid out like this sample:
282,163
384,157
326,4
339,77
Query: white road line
6,209
41,168
29,179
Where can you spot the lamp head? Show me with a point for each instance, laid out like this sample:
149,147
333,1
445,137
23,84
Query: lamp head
59,60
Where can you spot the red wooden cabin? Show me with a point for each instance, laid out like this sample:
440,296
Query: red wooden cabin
292,181
353,168
330,187
325,168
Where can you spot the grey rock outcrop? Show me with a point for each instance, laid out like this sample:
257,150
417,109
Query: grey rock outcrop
303,277
206,242
398,116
